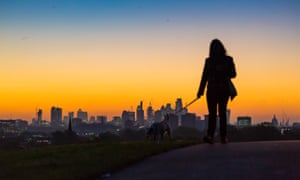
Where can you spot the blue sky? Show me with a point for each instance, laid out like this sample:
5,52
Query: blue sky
114,17
107,10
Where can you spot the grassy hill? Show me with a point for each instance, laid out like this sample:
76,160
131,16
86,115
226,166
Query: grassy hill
77,161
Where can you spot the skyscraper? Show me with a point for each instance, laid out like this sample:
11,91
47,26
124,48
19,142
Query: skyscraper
168,108
131,115
158,116
83,115
140,114
174,121
150,114
39,116
178,105
128,116
56,116
71,115
65,121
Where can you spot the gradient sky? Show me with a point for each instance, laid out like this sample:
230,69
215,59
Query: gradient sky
105,56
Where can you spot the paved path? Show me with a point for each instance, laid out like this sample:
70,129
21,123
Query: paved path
242,161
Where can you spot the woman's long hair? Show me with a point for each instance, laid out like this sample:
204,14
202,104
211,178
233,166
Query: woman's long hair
216,48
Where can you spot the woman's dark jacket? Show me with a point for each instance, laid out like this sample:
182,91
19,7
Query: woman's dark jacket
217,73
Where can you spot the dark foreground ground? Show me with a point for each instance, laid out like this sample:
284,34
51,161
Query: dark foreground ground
247,160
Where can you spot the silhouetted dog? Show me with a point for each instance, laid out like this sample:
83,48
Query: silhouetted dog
158,129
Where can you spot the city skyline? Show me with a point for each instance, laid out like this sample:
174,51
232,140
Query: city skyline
147,114
106,56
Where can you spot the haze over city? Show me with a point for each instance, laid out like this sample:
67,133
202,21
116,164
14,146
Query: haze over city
107,56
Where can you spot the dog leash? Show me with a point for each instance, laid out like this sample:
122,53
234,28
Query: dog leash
187,105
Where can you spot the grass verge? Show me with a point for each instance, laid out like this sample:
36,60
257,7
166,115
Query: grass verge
77,161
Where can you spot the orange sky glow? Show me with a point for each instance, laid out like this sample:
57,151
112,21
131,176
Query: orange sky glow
107,70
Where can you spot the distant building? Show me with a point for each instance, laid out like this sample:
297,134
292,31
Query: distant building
158,115
117,121
200,124
83,115
228,116
178,104
243,121
266,124
188,120
296,125
128,115
150,113
92,119
67,118
163,110
174,121
131,115
39,116
76,122
71,115
274,121
66,121
56,117
129,124
128,119
101,119
140,114
12,127
168,108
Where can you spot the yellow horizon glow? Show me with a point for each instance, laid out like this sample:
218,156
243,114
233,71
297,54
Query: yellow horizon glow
106,77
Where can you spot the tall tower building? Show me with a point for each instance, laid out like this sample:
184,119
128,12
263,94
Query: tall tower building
71,115
150,113
125,116
140,113
158,116
83,115
178,105
128,116
56,116
274,121
39,116
168,108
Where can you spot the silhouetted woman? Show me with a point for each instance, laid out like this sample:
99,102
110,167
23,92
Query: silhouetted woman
218,70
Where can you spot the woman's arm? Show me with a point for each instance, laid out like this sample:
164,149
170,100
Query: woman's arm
232,68
203,80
